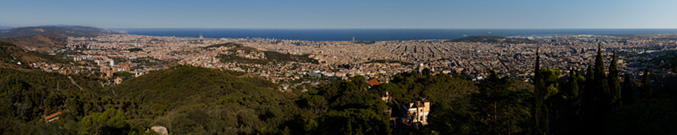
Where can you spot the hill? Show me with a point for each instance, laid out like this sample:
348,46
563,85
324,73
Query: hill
48,38
198,100
495,39
41,43
59,31
11,55
239,50
27,96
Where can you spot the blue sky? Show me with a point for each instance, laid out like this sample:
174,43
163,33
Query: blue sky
343,13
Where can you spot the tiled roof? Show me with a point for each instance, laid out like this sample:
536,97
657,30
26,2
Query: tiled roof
373,82
52,115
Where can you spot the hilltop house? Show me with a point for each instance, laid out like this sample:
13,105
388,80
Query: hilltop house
417,112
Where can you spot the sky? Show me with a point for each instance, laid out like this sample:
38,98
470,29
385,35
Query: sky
339,14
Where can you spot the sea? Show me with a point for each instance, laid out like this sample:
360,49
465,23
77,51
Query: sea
377,34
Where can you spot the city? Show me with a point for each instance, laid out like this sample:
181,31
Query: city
342,59
348,67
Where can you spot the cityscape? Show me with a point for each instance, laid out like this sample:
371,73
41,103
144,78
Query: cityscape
344,59
348,67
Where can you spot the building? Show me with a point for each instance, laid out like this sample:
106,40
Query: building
117,80
417,112
386,97
52,117
373,82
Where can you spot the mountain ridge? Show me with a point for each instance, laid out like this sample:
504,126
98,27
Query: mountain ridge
61,31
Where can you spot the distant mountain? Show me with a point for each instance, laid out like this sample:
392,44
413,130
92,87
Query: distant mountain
48,38
495,39
60,31
5,27
41,43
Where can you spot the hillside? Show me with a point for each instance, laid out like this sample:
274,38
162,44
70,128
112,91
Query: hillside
11,55
27,96
495,39
41,43
59,31
48,38
239,50
183,97
182,84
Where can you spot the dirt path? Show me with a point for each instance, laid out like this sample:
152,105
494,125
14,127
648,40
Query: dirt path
73,81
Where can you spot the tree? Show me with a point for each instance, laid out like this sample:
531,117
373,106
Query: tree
646,85
573,107
574,88
596,97
614,84
602,86
499,109
109,122
589,76
628,96
539,110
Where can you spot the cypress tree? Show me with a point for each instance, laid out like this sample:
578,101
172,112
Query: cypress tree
539,111
602,96
574,91
614,83
596,97
574,101
600,75
628,96
589,76
587,95
646,85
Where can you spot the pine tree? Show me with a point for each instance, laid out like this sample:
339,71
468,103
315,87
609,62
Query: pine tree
646,85
628,96
614,83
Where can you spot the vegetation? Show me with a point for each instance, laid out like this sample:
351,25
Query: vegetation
222,45
149,61
134,49
195,100
667,61
276,56
271,56
42,43
29,95
10,55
